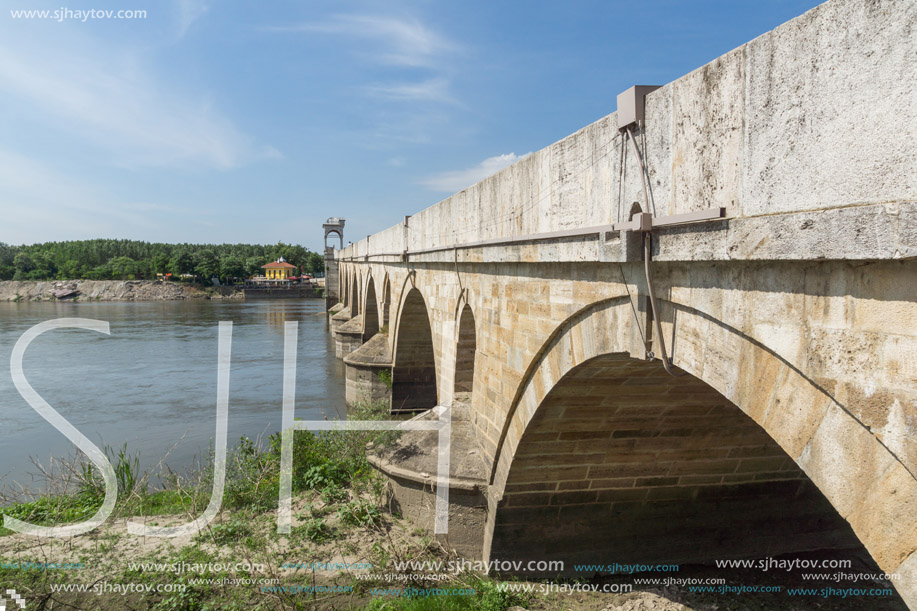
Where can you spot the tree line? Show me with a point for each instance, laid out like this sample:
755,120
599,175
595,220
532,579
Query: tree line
136,260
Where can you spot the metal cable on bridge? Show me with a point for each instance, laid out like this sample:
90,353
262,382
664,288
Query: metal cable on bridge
647,253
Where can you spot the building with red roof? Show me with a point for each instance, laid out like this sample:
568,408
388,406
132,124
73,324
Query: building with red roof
278,270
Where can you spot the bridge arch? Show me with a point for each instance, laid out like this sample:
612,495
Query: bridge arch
371,310
386,299
351,288
342,284
357,294
465,351
864,483
345,287
414,364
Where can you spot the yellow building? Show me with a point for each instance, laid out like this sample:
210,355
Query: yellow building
278,270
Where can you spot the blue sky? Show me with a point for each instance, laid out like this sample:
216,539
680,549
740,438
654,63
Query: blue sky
239,121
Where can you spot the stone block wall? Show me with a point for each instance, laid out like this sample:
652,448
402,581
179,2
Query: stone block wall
625,463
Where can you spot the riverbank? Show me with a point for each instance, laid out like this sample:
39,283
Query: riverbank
111,290
344,543
348,549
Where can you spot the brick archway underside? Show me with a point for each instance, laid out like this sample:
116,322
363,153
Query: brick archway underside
371,315
414,372
624,463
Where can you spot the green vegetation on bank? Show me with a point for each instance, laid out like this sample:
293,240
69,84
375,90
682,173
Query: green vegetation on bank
134,260
326,462
340,510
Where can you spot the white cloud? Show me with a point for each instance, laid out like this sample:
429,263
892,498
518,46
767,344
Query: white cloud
189,11
402,108
77,86
399,42
452,182
432,90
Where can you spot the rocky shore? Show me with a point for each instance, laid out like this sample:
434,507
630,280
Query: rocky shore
111,290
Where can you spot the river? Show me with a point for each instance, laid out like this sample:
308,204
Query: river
152,383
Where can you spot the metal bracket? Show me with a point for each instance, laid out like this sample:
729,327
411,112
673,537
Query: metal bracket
632,105
644,221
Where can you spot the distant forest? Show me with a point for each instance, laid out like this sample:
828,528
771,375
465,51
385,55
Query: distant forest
133,260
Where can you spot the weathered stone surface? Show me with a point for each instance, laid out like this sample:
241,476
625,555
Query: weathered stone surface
411,462
906,584
707,147
799,311
815,118
830,112
368,371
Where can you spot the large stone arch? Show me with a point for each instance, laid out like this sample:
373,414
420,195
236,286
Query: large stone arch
414,364
465,351
355,307
345,285
386,300
862,480
371,311
624,462
341,283
351,288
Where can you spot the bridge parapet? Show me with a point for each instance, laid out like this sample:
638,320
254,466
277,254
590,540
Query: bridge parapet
803,134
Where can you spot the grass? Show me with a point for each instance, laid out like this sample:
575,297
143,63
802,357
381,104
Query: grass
474,594
226,532
316,530
53,510
340,512
330,462
361,513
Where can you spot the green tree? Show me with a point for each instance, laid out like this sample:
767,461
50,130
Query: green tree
181,263
69,269
123,268
105,259
231,266
159,264
23,265
206,264
315,263
253,266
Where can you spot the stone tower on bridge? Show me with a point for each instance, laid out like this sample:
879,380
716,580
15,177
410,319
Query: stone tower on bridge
333,227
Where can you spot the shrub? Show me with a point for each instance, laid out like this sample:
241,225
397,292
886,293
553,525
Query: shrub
316,531
333,494
386,377
227,532
361,513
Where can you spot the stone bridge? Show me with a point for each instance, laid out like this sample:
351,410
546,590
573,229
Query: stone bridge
692,337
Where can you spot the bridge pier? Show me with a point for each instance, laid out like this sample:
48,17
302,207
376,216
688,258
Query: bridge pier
334,309
339,317
348,336
411,466
368,371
